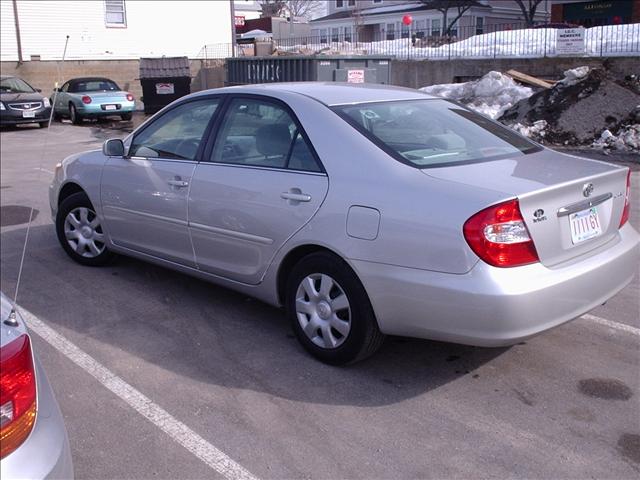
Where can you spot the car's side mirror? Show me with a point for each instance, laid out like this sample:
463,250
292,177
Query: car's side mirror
114,147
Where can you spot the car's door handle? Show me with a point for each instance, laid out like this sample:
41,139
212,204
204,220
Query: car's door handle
295,197
178,183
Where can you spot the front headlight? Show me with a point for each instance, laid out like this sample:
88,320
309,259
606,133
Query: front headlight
2,106
45,102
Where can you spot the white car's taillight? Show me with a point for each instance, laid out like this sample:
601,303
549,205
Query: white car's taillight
17,394
627,201
499,236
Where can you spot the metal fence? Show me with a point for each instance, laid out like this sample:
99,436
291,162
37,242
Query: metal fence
495,41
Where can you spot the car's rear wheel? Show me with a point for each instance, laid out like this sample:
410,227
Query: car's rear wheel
126,116
75,117
330,311
80,231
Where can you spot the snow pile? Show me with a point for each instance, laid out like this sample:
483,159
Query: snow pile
627,139
575,75
537,131
490,95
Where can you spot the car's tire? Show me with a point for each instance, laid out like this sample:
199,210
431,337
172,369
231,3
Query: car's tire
43,124
126,116
80,232
330,311
74,116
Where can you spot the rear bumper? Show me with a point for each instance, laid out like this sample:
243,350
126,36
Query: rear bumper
492,306
14,117
96,110
46,452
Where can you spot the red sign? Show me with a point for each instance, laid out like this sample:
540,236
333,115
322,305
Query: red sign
407,19
239,20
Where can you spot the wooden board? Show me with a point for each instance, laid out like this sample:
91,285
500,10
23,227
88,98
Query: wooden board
524,78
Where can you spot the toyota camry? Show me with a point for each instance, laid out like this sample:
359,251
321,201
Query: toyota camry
364,211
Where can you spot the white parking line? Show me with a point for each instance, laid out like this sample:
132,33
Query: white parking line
40,169
162,419
611,324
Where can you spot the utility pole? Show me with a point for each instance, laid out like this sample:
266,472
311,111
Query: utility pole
18,39
233,28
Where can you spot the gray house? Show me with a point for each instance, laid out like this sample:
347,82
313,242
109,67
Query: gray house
382,19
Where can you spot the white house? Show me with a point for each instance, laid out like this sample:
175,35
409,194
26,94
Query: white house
382,19
111,29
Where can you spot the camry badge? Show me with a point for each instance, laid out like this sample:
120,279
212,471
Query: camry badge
587,189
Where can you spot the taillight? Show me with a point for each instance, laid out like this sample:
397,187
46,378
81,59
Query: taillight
17,394
627,201
499,236
129,97
86,99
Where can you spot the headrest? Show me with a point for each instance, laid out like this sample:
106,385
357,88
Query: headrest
272,140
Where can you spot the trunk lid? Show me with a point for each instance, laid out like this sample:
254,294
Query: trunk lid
571,205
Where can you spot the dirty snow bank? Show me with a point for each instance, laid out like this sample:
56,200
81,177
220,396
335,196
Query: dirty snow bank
627,139
490,95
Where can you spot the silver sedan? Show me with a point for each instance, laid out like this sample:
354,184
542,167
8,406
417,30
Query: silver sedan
362,210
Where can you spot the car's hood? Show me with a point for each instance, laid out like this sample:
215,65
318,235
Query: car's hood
21,97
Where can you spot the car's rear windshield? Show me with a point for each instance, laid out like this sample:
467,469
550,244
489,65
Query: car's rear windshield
15,85
93,85
434,132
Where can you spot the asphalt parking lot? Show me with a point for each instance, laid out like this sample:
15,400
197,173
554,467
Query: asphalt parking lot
565,404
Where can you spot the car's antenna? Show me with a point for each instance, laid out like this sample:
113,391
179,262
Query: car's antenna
44,148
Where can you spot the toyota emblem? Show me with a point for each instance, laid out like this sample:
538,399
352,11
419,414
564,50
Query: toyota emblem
587,189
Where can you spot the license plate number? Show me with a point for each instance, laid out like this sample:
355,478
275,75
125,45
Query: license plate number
28,114
584,225
109,107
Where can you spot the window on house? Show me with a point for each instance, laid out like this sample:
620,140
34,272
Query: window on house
323,35
391,34
347,34
115,13
377,1
435,27
454,30
335,34
339,3
420,28
404,30
479,25
352,3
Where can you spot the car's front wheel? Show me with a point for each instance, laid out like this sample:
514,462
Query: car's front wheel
80,231
330,311
74,116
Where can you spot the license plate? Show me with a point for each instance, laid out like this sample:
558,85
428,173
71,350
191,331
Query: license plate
584,225
28,114
109,107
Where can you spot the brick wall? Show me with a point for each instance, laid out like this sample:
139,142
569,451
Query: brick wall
126,73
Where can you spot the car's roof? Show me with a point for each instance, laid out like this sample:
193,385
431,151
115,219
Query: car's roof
333,93
89,79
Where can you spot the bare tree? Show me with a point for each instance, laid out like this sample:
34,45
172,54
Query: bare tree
303,8
273,8
529,8
443,6
293,8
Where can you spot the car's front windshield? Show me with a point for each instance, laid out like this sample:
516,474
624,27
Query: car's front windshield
433,132
15,85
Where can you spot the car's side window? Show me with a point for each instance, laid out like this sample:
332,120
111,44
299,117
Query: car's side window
65,87
177,133
260,133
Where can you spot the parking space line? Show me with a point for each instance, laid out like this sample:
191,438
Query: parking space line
178,431
611,324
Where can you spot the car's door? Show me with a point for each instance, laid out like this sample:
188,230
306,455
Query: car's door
260,181
144,195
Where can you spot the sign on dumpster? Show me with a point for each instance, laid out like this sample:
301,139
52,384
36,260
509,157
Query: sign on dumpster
165,88
570,41
355,76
